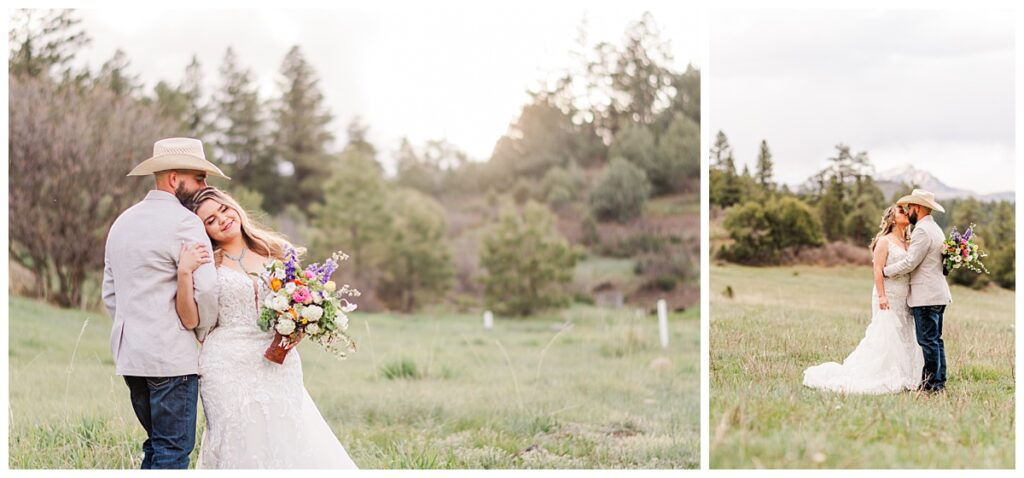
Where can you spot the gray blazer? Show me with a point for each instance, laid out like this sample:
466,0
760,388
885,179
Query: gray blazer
924,263
140,281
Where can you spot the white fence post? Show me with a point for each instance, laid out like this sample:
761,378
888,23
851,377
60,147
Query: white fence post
488,320
663,322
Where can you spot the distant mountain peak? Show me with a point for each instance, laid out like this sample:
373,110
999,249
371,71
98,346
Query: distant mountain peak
908,174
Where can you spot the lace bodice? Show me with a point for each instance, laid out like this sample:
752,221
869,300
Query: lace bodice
239,305
897,287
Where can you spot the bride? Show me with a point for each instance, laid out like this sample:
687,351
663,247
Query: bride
258,413
888,358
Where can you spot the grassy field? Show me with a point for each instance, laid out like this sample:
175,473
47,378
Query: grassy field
781,320
422,392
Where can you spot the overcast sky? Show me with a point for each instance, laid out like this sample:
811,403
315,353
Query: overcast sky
934,89
458,71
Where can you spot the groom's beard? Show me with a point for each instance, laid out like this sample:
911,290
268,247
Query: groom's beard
183,196
913,219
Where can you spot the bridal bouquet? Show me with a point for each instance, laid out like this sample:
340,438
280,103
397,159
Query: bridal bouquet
960,250
305,302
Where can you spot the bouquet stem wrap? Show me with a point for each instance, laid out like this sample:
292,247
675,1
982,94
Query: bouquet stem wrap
279,348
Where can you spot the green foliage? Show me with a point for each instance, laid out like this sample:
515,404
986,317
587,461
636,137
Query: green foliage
401,369
561,186
861,222
726,189
636,244
42,41
677,165
417,265
543,137
635,143
353,215
639,72
528,263
764,167
301,135
115,75
436,169
186,104
831,211
240,144
621,192
761,231
266,317
1000,236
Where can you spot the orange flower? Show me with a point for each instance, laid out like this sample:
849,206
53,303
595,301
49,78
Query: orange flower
275,284
294,315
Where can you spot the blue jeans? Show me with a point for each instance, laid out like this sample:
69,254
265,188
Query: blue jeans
166,407
928,324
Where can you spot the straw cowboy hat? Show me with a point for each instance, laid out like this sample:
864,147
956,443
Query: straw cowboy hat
922,198
177,153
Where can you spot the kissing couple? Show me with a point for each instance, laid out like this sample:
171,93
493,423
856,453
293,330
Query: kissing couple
902,348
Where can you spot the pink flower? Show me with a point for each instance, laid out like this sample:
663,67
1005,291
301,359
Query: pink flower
302,296
309,274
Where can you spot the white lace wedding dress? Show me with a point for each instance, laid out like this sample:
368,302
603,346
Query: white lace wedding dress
888,358
258,413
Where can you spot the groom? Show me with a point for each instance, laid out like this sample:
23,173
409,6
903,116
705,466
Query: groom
929,293
154,352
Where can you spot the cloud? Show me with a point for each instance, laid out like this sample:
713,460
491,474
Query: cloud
906,86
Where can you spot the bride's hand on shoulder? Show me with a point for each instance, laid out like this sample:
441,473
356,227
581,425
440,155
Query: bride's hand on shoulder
191,257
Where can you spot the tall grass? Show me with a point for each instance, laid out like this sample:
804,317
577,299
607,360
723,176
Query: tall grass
569,406
781,320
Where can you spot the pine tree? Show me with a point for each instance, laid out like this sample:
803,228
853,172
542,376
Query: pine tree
529,264
726,188
115,75
764,167
302,136
42,41
830,211
240,139
353,215
417,266
197,114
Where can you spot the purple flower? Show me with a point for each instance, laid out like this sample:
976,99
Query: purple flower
291,264
967,234
312,270
330,265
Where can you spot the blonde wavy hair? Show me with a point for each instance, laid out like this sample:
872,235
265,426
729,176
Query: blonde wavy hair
886,226
258,238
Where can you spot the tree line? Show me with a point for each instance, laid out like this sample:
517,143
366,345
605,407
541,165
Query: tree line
840,203
75,132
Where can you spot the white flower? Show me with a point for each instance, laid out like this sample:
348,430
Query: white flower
285,326
349,307
957,259
317,297
279,273
312,329
312,313
342,321
278,303
290,288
